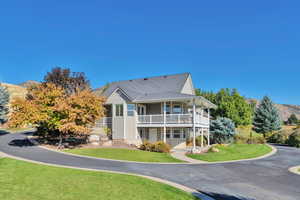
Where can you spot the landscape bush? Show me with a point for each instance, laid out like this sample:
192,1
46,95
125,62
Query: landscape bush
294,139
243,139
159,147
189,141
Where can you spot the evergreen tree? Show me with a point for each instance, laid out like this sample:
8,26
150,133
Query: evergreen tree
266,118
4,100
223,130
293,120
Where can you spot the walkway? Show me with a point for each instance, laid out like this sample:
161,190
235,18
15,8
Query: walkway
265,179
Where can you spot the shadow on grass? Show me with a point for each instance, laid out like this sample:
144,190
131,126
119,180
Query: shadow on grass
218,196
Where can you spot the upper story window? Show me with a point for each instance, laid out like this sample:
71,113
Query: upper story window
119,110
168,109
130,109
177,109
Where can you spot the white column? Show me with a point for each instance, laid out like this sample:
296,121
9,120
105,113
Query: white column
124,119
164,109
202,137
194,125
208,131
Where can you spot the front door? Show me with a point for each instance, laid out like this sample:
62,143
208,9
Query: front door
152,134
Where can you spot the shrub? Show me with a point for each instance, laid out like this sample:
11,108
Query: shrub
243,139
294,139
223,130
146,146
277,138
189,141
159,146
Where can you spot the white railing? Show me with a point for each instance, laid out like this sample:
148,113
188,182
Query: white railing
172,119
103,122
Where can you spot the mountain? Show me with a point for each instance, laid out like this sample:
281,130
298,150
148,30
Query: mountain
285,110
29,83
15,90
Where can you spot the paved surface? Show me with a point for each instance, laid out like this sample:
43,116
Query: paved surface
265,179
180,155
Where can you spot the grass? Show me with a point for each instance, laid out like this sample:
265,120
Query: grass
20,180
125,154
234,152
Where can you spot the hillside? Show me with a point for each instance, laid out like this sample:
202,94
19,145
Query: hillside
15,90
285,110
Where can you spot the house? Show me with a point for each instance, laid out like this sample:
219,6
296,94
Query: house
162,108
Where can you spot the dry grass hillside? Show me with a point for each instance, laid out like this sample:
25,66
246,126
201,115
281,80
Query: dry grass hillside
15,90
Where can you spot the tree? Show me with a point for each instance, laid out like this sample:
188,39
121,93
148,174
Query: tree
54,112
4,100
230,105
69,81
292,120
223,130
266,118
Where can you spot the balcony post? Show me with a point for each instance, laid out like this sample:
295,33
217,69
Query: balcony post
201,138
208,131
194,126
164,109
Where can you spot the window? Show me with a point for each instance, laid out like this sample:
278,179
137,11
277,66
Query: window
168,133
130,109
176,133
168,109
119,110
177,109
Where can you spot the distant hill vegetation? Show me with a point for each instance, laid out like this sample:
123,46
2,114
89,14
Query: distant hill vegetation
285,110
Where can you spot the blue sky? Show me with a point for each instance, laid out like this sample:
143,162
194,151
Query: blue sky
249,45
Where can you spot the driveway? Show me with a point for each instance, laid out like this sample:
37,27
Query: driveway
264,179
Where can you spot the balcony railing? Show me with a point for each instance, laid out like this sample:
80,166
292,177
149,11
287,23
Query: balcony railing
172,119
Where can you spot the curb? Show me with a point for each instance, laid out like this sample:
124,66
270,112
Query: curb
194,192
295,170
274,150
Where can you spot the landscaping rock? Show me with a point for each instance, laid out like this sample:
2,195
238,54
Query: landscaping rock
94,139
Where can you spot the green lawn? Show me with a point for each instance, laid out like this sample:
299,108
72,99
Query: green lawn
234,152
125,154
20,180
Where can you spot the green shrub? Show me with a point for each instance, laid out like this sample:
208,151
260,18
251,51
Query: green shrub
159,146
294,139
277,138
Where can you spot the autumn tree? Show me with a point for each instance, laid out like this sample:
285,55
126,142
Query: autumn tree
69,81
55,112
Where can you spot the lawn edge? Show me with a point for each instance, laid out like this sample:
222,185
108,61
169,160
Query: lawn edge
272,152
34,142
192,191
295,170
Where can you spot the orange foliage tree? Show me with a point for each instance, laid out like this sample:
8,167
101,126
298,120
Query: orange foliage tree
54,112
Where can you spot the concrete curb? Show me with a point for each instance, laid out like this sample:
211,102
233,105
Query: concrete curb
196,162
175,185
295,170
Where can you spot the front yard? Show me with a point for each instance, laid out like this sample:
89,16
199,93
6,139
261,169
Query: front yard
22,180
233,152
125,154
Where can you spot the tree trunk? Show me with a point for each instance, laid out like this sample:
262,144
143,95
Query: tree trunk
60,141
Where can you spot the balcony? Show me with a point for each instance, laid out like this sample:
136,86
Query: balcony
172,119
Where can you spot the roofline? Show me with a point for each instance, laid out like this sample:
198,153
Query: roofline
149,77
118,88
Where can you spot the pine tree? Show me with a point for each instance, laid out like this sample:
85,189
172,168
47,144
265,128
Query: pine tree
4,100
293,120
266,118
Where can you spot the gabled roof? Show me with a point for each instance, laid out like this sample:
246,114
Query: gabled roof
153,85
